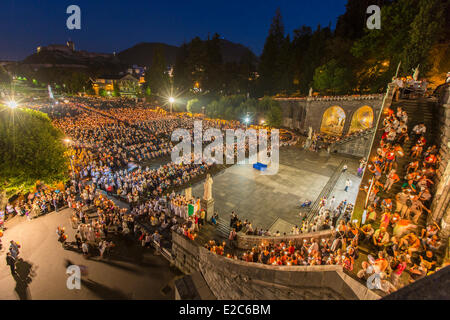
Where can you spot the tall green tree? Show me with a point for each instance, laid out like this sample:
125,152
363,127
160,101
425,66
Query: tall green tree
157,78
274,115
332,78
315,56
213,66
268,65
31,150
425,31
194,106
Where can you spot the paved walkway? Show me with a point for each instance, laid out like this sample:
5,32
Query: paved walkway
268,200
130,273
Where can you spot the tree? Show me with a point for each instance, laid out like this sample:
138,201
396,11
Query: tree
102,92
116,92
31,150
194,106
426,29
4,76
213,65
274,115
332,78
268,64
315,55
156,77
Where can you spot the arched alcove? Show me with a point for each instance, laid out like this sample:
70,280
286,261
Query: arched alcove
333,120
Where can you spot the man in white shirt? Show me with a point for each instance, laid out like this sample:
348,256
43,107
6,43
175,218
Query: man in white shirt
348,184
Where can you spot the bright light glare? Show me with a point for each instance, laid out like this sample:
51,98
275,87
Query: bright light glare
67,140
262,121
247,120
171,99
12,104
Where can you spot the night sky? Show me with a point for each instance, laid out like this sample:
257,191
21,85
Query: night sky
115,25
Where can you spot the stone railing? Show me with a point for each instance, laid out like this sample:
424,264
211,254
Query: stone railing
333,98
441,202
353,136
247,242
360,203
236,279
240,280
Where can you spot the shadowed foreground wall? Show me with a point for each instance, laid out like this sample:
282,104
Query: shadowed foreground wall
236,280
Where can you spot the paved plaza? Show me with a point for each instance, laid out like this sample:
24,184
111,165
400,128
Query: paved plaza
130,273
275,200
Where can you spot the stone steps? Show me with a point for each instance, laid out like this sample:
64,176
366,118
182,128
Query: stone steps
418,111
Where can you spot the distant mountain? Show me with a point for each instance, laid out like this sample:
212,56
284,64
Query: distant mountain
142,53
234,52
93,62
60,56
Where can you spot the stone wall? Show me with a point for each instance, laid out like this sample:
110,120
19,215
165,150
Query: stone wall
185,253
247,242
239,280
441,202
302,113
358,145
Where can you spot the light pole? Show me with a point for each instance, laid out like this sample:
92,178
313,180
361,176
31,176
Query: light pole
171,100
247,120
12,104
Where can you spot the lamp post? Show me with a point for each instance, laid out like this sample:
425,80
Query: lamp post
247,120
12,104
171,100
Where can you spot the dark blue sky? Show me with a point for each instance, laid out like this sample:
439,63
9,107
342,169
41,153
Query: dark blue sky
115,25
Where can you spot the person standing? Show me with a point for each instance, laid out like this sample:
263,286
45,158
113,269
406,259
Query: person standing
392,178
232,237
85,248
348,184
11,261
202,217
78,240
331,203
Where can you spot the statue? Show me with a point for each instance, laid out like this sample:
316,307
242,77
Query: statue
416,73
310,133
310,91
207,186
188,193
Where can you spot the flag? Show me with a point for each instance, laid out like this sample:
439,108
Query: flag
197,206
190,209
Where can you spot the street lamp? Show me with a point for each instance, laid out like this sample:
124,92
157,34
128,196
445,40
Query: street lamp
246,120
12,104
171,100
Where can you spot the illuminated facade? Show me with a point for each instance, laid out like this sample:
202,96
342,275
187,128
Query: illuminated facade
127,85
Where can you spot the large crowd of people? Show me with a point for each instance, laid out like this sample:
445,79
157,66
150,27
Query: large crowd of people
393,236
113,142
401,243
